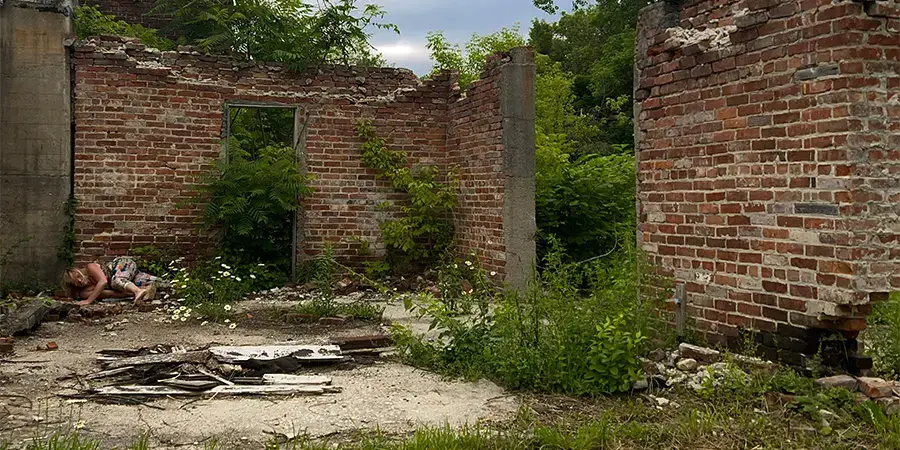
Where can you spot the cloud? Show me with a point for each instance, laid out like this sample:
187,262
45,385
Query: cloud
409,54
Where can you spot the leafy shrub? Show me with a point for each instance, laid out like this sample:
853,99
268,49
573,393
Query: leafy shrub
587,204
464,283
882,336
538,340
251,202
615,364
423,235
89,21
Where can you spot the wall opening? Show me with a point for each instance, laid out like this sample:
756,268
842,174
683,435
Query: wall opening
255,132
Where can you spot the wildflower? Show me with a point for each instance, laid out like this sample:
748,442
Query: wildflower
175,317
227,273
261,265
227,307
252,276
237,278
218,257
469,263
455,266
232,326
471,267
184,319
182,308
226,266
227,321
205,322
465,293
493,274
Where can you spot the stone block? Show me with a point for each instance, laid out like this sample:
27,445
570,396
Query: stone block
687,365
841,381
701,354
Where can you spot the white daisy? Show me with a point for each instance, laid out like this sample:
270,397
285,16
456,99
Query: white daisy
252,276
227,307
205,322
227,321
184,319
493,274
232,326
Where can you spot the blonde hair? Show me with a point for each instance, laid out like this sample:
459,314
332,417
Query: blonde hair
68,280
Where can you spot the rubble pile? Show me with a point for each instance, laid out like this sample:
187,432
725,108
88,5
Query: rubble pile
693,365
128,375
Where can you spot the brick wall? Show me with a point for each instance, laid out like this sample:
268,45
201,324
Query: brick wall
767,137
148,124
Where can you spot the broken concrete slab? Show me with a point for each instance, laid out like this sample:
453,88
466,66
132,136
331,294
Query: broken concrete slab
700,354
25,318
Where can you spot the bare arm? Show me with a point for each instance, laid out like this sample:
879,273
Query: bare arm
97,275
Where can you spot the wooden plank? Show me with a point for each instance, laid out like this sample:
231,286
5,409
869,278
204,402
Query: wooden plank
278,378
109,373
165,358
218,390
190,385
214,376
364,342
301,352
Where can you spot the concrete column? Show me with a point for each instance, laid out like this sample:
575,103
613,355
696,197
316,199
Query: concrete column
517,109
35,140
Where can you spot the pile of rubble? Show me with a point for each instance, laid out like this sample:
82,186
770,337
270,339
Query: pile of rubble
691,364
129,375
885,393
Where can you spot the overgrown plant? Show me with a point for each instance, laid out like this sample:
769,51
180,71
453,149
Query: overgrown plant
543,339
251,203
882,337
89,21
423,234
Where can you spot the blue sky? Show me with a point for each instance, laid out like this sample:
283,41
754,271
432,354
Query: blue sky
457,18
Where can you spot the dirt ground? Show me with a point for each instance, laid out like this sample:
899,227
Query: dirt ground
381,394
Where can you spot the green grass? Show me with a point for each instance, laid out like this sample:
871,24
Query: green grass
882,337
324,307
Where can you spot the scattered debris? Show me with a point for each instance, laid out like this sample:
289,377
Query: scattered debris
52,346
876,387
700,354
844,381
24,318
6,346
687,365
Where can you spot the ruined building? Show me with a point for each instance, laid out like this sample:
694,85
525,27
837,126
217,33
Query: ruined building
129,130
768,141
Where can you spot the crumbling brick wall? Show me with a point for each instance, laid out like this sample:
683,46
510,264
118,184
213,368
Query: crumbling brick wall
767,136
149,124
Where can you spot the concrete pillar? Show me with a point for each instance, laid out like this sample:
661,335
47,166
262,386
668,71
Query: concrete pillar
517,109
35,140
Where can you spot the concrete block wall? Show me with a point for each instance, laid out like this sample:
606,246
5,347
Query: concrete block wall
35,144
767,135
149,123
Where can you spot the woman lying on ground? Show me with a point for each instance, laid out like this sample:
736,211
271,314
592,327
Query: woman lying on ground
118,279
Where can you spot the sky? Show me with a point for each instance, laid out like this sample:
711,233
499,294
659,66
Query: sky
458,19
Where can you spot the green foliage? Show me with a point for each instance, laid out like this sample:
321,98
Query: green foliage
297,33
327,307
463,284
882,337
89,21
251,202
615,364
424,232
587,204
469,63
538,340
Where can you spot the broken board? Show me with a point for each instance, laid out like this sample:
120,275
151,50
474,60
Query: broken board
165,358
218,390
237,355
310,380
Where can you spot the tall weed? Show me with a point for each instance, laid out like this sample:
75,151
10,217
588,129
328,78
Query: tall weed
556,337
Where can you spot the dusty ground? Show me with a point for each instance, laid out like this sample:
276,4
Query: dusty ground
385,395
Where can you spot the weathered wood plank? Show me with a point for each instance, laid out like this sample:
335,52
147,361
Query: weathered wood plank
302,352
363,342
278,378
109,373
165,358
218,390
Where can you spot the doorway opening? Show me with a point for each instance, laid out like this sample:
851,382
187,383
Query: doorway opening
263,163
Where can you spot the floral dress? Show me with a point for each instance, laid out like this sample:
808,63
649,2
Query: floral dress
122,271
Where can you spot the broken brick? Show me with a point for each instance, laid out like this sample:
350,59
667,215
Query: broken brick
701,354
332,320
876,387
52,346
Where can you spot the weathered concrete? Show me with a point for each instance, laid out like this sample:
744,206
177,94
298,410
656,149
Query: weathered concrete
35,139
517,109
